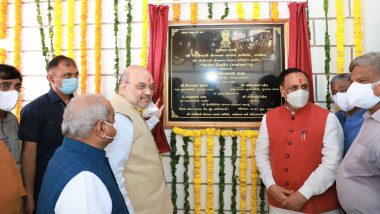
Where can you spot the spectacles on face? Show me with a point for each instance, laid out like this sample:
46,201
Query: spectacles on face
142,86
7,86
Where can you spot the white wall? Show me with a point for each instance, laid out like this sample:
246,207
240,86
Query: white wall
33,64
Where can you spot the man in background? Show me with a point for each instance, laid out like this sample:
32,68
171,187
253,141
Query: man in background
298,151
78,178
133,154
350,117
40,125
358,179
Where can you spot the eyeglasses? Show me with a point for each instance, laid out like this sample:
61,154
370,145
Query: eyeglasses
6,86
143,86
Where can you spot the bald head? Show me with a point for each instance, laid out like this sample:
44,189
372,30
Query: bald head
136,86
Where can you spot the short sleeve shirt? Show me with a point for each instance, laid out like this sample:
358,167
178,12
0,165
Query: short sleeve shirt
41,123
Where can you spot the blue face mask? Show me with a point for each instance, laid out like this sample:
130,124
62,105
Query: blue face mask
69,86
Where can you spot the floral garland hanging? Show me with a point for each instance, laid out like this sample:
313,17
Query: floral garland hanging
58,26
274,10
98,44
340,36
210,169
51,28
174,159
144,47
17,48
327,55
129,32
226,11
197,172
194,13
83,47
240,11
209,5
222,174
186,162
358,34
243,172
262,195
70,29
45,50
3,56
3,18
176,12
234,177
254,176
115,31
256,10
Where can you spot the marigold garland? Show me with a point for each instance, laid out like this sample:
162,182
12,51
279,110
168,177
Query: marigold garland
194,13
115,31
226,11
98,44
58,26
144,47
174,159
45,50
3,56
254,176
358,34
256,10
340,36
129,32
197,172
51,28
17,48
176,12
83,46
3,18
274,10
240,11
327,55
70,29
210,169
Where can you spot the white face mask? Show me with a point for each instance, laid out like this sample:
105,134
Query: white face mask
297,99
150,110
361,95
341,100
8,100
114,126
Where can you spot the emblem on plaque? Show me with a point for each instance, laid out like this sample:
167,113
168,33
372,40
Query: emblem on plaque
225,38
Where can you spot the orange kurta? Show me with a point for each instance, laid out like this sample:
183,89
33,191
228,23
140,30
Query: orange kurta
295,151
11,187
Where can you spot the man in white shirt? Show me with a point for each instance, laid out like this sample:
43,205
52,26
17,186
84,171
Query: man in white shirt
299,150
78,178
133,154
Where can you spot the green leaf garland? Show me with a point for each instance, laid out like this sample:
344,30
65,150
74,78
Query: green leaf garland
226,11
234,177
327,55
129,32
186,161
115,30
307,17
262,197
222,174
45,50
51,30
209,5
173,163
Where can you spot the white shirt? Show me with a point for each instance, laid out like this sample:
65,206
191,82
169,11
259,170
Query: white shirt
323,176
118,151
84,193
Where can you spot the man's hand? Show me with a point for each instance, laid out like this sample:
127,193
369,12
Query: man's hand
279,193
295,201
29,206
159,112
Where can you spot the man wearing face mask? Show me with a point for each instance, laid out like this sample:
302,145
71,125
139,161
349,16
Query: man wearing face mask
79,178
350,117
133,154
298,151
40,125
12,189
358,179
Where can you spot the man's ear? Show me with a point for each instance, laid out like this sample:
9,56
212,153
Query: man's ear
283,92
99,129
50,78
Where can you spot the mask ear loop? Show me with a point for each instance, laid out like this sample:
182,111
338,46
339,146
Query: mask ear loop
375,84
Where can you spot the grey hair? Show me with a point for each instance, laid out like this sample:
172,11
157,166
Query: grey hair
367,60
340,78
82,113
